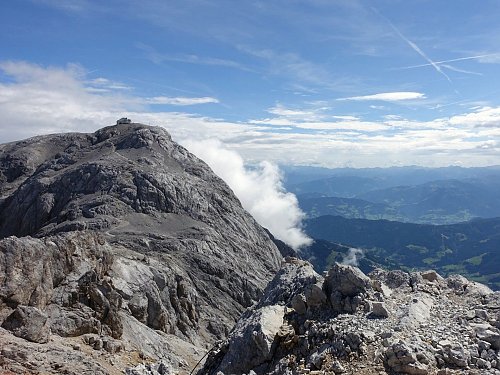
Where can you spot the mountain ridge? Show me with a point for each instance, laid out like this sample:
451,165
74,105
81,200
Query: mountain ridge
346,322
153,242
122,252
446,201
453,248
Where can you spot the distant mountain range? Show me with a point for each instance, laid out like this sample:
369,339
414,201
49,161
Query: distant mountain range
409,217
303,179
397,194
470,249
437,202
351,208
442,202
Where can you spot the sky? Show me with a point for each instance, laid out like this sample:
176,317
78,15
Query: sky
334,83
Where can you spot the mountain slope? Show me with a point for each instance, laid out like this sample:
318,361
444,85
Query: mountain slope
387,322
442,201
304,179
470,248
140,231
350,208
338,186
436,202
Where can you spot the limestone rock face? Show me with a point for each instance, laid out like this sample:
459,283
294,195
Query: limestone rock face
420,327
28,323
402,358
124,228
294,277
347,280
254,336
252,344
344,286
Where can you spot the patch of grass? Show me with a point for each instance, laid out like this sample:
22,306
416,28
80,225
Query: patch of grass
420,249
454,268
430,261
477,260
332,258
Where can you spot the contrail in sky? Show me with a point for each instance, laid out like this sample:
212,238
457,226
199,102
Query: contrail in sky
460,70
421,53
414,47
452,60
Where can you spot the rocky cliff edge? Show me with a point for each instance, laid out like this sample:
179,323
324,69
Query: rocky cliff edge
120,247
389,322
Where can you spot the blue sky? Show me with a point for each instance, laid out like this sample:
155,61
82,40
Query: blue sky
319,82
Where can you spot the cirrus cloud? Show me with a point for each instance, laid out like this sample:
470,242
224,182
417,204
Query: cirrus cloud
181,100
388,96
38,100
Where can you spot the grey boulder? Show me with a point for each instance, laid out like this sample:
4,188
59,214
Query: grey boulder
28,323
347,280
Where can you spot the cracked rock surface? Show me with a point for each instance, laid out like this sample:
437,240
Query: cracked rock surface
387,322
125,236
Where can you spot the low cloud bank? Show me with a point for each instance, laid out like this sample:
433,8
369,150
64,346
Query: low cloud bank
260,190
353,257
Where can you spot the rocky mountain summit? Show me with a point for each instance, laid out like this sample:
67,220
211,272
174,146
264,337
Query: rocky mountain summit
389,322
118,248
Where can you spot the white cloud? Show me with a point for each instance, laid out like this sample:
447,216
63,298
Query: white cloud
388,96
181,100
493,58
481,117
42,100
489,145
353,256
484,58
278,121
314,119
103,84
393,117
347,118
259,190
344,125
281,110
38,100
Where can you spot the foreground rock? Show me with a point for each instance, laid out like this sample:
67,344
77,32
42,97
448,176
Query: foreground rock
125,236
422,324
28,323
